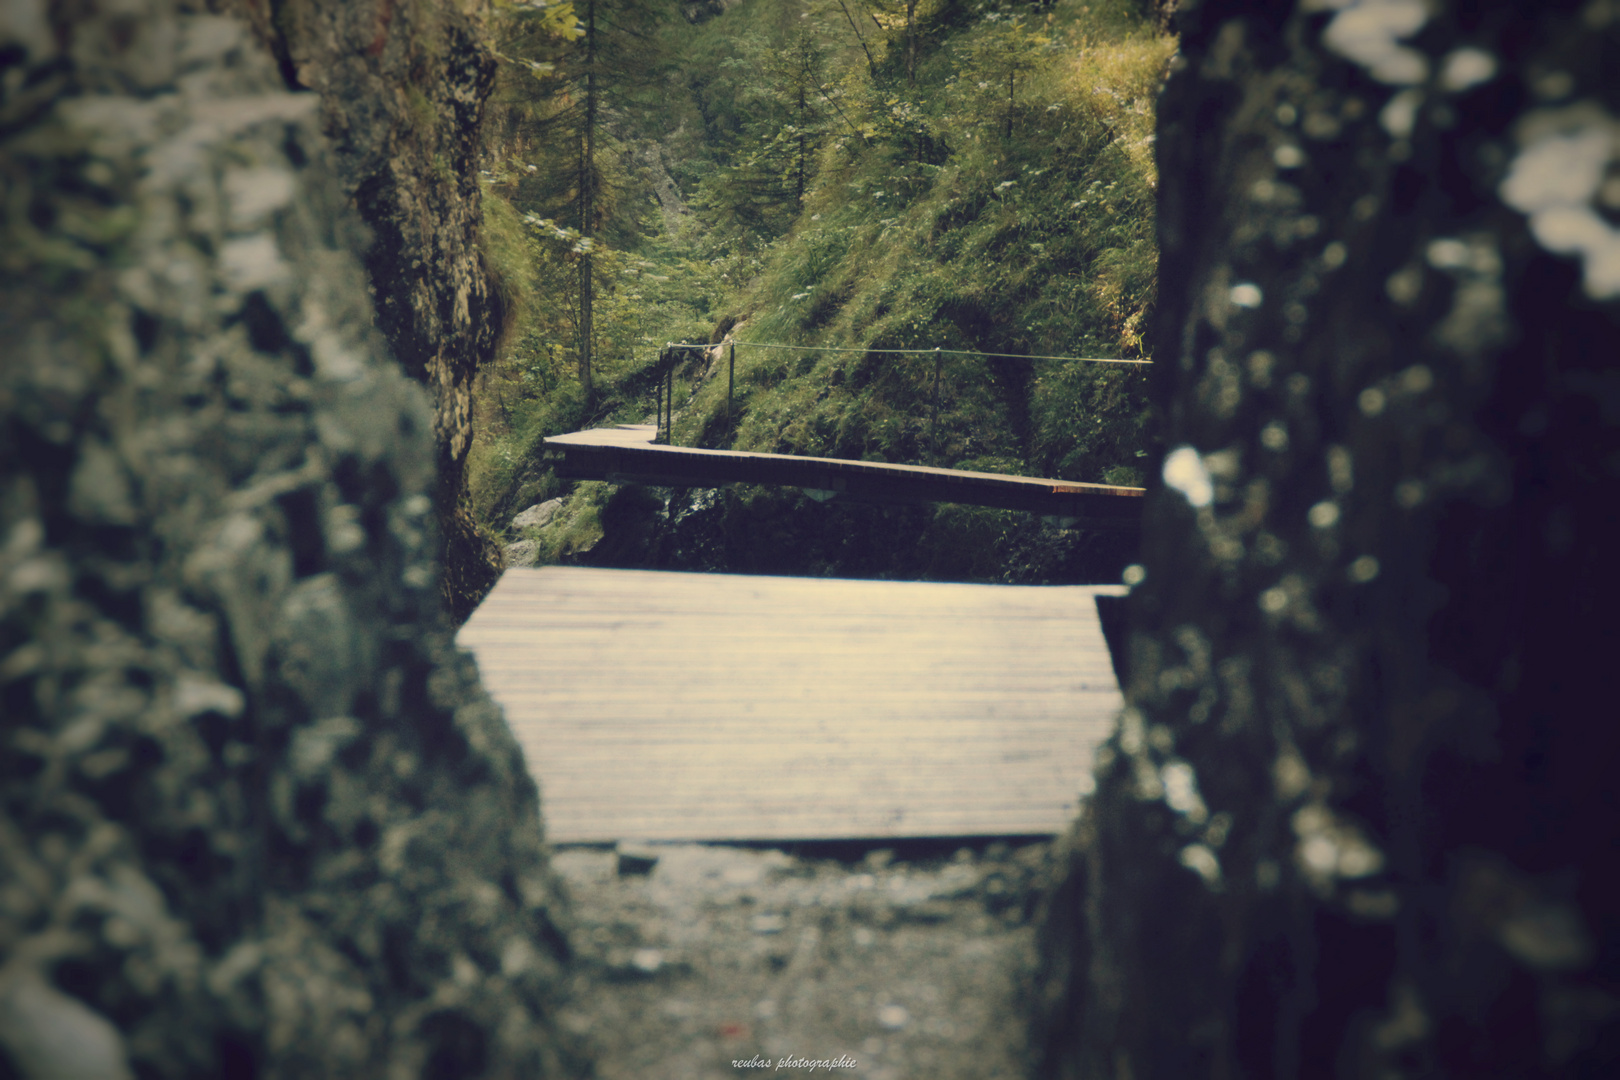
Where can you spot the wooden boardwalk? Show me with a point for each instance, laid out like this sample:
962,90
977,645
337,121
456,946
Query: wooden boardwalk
701,707
628,454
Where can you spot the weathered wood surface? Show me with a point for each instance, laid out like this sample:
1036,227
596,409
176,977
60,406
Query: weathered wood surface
667,706
628,454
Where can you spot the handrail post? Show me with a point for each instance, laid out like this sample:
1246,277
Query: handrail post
731,379
933,428
669,396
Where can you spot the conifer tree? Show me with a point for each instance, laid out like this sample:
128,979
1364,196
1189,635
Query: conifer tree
1002,54
587,182
572,123
792,104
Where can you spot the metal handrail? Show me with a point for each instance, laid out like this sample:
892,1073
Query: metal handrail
665,392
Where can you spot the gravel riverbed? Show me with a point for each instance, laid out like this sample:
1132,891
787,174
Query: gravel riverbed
706,961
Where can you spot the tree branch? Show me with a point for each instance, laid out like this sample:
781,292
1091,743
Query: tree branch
871,65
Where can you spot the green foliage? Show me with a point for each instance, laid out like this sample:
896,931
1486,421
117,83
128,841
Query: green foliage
540,19
1024,226
789,102
578,528
533,391
1000,203
1089,425
1002,54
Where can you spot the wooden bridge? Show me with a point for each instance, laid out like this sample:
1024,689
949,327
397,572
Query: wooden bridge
669,706
631,454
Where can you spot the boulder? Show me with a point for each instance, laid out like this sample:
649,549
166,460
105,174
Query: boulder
537,516
523,553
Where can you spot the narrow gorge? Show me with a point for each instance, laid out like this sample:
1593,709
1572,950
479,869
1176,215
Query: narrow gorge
293,294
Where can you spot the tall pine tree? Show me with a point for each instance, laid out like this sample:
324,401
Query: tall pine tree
791,101
569,127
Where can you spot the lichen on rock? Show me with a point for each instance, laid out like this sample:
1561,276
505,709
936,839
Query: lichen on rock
256,812
1364,631
401,91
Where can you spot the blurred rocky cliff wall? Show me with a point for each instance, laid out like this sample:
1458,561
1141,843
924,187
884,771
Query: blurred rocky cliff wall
402,88
1359,819
257,817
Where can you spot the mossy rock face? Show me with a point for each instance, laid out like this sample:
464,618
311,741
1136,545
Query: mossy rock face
257,816
1358,818
401,88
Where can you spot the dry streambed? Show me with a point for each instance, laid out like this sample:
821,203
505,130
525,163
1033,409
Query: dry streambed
694,957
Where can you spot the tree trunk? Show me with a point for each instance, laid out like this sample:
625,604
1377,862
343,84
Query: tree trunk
1011,74
871,64
1358,819
587,206
911,42
798,186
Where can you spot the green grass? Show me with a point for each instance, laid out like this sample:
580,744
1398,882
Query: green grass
925,223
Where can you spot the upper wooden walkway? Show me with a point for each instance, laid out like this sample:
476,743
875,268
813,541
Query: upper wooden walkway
704,707
629,454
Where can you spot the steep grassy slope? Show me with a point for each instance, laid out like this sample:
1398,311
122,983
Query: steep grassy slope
1004,203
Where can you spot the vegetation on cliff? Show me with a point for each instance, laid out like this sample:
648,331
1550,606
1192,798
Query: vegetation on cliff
978,178
1358,819
401,89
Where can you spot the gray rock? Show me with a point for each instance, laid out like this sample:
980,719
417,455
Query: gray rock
238,746
415,184
523,553
893,1017
768,922
1348,737
537,516
635,859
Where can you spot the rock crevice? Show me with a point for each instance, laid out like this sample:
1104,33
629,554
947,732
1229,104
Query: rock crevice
402,90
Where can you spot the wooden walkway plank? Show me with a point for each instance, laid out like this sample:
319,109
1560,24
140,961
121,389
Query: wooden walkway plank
665,706
628,454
